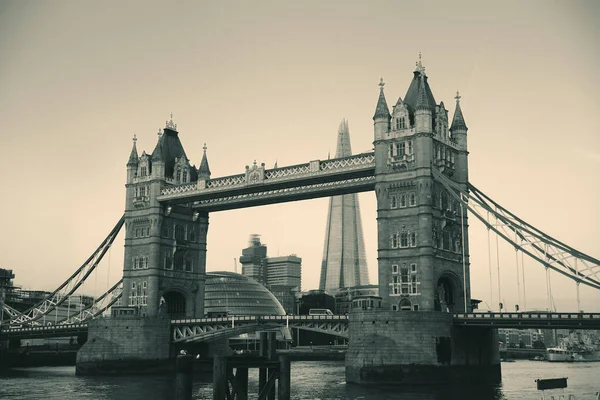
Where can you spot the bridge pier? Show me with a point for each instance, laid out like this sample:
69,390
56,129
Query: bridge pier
418,348
126,345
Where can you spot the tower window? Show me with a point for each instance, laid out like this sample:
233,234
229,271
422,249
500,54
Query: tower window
415,307
143,171
178,175
168,260
394,240
413,268
391,150
413,239
402,200
135,263
395,269
184,176
179,232
412,199
393,201
410,147
404,239
400,149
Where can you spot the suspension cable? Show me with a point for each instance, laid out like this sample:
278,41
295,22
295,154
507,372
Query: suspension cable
498,264
464,262
108,273
577,288
490,261
523,276
517,265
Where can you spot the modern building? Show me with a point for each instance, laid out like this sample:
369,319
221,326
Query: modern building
281,275
228,293
344,260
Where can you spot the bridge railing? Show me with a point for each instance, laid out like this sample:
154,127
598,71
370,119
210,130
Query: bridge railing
317,167
528,315
235,319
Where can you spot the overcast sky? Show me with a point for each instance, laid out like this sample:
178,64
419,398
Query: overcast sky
271,80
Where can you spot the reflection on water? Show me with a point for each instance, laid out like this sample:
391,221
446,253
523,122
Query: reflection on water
310,380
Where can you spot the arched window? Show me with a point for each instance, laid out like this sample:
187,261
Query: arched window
405,305
394,205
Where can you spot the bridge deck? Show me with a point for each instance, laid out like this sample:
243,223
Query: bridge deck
522,320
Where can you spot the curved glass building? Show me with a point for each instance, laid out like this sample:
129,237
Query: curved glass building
235,294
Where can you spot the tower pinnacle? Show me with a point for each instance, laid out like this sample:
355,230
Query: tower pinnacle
133,157
458,122
382,110
204,170
422,103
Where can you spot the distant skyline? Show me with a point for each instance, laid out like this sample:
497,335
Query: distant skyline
270,81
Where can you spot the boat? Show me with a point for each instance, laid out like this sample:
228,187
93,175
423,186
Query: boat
574,348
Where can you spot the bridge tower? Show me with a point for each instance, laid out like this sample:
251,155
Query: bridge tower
165,246
423,253
420,226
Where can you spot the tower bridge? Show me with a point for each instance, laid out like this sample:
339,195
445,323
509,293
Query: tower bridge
418,171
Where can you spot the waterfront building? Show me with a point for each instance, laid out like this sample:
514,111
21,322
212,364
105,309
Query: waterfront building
344,261
281,275
228,293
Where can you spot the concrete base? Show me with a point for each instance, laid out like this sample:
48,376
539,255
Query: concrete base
126,345
418,348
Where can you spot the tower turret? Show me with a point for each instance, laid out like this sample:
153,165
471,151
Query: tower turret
382,115
423,112
204,170
459,133
459,127
132,164
158,161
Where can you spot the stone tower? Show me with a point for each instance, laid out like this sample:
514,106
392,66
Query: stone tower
165,247
344,262
420,225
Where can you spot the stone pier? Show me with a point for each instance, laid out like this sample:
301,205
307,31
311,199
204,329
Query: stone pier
126,345
418,348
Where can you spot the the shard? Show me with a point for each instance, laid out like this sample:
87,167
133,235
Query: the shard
344,260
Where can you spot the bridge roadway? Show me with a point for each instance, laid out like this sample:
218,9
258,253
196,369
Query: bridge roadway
200,329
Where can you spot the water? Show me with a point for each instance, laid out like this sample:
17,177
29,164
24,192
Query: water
310,380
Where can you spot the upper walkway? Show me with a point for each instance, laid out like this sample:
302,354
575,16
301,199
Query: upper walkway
260,186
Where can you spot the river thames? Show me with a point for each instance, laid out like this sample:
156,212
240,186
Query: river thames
310,380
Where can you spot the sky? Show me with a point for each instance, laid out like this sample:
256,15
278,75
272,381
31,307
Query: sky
270,81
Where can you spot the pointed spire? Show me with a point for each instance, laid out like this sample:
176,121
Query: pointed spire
275,166
422,103
382,110
157,154
343,143
204,170
133,157
458,122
